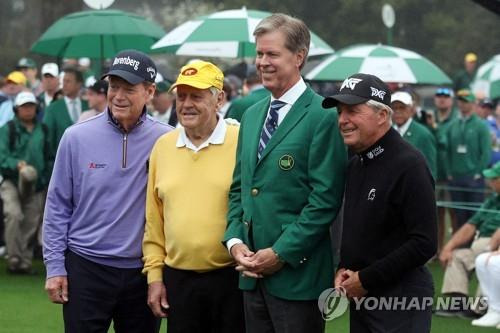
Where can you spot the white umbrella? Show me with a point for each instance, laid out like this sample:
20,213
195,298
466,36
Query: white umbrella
487,80
390,64
228,33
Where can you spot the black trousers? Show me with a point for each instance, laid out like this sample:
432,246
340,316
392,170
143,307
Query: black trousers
410,318
265,313
204,302
98,294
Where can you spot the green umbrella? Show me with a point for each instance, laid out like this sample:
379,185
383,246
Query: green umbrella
390,64
487,80
97,34
228,34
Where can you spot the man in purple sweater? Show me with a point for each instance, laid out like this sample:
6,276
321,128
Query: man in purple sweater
94,215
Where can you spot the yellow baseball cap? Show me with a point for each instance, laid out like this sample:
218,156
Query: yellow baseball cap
200,74
17,77
470,57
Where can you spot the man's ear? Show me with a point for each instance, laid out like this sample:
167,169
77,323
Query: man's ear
151,91
220,98
383,115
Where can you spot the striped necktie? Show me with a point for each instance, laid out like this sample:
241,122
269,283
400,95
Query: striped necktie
270,125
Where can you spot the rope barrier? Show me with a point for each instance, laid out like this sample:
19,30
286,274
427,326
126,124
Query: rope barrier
462,189
467,206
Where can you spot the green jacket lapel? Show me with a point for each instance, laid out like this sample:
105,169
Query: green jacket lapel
298,110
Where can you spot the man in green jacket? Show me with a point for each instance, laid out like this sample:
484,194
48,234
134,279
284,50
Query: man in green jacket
413,132
438,121
469,152
287,189
63,113
24,166
256,92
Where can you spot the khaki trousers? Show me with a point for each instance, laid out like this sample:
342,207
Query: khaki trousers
456,276
22,220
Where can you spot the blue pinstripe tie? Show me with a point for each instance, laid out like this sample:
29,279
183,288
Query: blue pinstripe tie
269,126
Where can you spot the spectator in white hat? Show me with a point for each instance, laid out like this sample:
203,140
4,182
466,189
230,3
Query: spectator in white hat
24,164
50,84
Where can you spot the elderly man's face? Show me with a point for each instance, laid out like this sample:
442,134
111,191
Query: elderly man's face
126,101
278,66
359,125
197,108
402,113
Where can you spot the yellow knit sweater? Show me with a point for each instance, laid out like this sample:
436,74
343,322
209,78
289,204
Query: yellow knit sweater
186,205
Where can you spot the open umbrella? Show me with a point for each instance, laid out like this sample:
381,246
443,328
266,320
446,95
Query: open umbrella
228,34
97,34
487,80
390,64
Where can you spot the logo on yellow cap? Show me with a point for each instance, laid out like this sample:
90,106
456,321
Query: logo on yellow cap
190,71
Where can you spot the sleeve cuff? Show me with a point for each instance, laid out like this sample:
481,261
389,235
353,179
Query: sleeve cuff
55,269
233,241
155,275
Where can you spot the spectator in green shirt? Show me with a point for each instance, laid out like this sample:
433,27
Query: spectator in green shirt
438,121
458,261
468,153
24,164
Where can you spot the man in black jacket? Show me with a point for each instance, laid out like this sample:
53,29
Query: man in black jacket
389,228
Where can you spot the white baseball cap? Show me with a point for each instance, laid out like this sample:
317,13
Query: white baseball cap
403,97
51,69
25,97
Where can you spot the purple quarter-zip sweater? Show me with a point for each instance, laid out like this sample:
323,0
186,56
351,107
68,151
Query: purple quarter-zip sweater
97,193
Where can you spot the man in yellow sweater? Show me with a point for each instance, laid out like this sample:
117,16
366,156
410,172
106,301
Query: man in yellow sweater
191,275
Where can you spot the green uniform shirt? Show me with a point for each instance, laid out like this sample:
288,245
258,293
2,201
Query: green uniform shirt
487,222
29,147
468,147
422,139
440,134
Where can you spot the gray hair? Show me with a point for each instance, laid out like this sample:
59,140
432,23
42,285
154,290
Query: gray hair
377,106
214,90
297,36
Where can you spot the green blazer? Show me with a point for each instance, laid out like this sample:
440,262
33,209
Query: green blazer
57,118
288,199
422,139
240,105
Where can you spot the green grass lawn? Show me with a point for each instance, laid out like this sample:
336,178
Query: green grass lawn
24,307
